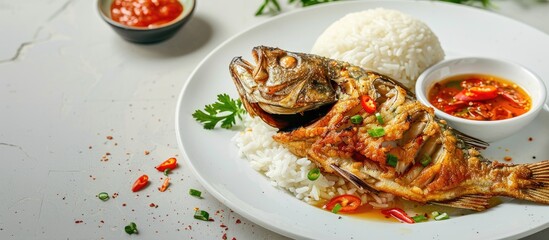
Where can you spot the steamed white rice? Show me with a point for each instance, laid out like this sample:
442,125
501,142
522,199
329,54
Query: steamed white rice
386,41
286,171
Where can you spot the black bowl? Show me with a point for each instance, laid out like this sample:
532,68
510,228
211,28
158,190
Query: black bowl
144,34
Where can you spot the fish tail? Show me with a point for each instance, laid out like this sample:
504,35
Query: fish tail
536,186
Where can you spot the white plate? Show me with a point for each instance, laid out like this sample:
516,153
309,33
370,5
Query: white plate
463,31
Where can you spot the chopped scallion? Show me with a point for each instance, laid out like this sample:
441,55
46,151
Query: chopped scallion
131,228
336,208
376,132
442,216
392,160
103,196
419,218
379,118
166,172
425,160
201,215
313,174
196,193
356,119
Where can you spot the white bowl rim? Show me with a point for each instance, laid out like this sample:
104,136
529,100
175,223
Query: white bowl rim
536,106
179,18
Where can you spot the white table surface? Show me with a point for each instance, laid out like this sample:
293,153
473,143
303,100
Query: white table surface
68,83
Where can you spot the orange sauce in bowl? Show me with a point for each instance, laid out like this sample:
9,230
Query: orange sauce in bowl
145,13
479,97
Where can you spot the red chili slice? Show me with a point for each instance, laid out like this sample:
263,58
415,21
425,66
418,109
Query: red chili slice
140,183
349,203
171,163
368,104
477,93
398,214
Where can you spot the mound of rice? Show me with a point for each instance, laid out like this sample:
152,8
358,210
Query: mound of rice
286,171
386,41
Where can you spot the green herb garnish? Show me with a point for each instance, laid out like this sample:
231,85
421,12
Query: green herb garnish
336,208
419,218
425,160
313,174
356,119
485,3
201,215
442,216
131,228
392,160
196,193
379,118
103,196
273,7
213,113
376,132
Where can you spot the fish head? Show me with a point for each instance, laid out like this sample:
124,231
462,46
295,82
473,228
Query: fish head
280,85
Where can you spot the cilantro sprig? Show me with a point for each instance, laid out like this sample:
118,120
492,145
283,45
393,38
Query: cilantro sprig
272,6
225,110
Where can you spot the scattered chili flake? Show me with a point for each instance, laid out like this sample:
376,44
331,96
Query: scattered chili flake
507,158
153,205
233,238
224,237
223,225
147,152
530,139
164,185
123,204
109,137
78,221
238,221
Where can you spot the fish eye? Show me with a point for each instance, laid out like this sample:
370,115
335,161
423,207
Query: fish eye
288,62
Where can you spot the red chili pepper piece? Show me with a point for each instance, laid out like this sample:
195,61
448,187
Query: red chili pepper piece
171,163
368,104
349,203
477,93
398,214
164,185
140,183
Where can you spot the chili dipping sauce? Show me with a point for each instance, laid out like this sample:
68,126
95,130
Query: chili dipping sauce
479,97
145,13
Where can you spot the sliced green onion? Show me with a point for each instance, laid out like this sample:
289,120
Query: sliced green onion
336,208
201,215
103,196
166,172
392,160
356,119
425,160
442,216
131,228
376,132
313,174
196,193
419,218
379,118
435,213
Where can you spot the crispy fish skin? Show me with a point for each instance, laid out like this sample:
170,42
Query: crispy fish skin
435,163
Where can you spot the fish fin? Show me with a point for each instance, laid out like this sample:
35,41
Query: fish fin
355,180
473,202
538,190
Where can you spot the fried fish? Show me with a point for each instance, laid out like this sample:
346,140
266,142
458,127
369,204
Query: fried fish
371,130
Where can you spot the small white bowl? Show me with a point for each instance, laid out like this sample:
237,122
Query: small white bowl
488,131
